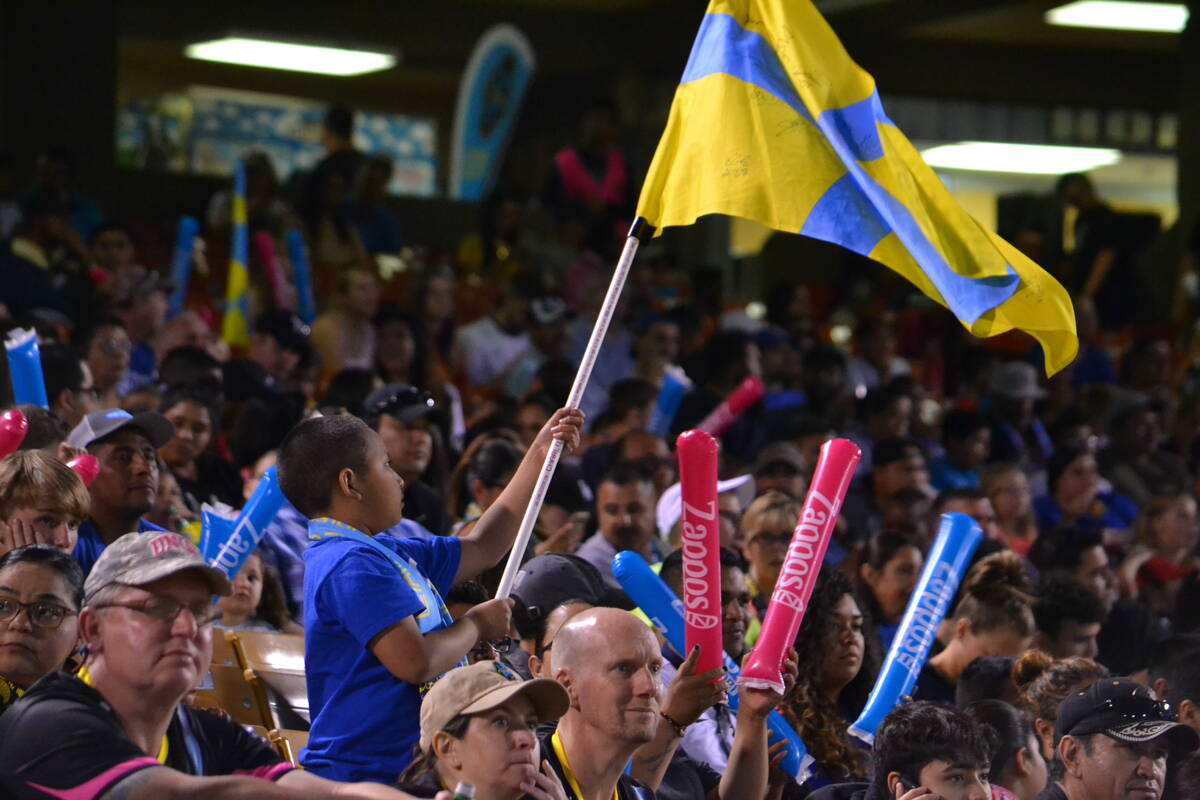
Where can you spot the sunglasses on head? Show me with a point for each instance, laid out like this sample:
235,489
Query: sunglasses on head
1136,707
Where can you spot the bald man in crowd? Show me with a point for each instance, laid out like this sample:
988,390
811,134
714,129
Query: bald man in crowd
610,664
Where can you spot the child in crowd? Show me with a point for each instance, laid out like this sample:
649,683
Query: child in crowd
257,602
42,501
376,628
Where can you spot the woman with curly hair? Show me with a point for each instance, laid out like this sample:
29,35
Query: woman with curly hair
994,617
838,664
1044,683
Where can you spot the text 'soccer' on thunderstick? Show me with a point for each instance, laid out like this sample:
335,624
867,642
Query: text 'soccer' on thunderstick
810,539
957,538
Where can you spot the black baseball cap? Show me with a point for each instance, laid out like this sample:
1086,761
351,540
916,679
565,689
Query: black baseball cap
553,578
102,424
1126,711
285,328
405,403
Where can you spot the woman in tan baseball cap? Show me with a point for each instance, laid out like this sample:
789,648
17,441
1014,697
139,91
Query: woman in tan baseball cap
478,726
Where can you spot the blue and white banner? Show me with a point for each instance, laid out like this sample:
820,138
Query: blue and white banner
489,99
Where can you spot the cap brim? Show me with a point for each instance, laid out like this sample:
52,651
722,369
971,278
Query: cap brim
158,429
550,700
1183,738
216,579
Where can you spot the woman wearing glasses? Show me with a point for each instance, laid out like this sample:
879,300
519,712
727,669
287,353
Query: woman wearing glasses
767,527
41,589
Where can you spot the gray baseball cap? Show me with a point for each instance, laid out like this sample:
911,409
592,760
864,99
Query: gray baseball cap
99,424
140,558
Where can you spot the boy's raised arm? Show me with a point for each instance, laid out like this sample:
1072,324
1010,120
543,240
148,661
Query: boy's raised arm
493,536
417,657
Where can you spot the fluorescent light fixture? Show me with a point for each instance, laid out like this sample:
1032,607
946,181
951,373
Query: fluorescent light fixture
1121,15
252,52
1026,159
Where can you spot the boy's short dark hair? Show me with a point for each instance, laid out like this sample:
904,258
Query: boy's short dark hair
1061,599
985,678
916,734
313,453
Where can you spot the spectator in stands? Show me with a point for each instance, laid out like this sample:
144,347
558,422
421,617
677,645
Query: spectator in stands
1017,763
1018,435
1007,486
767,527
42,501
284,541
650,453
1135,463
478,726
609,662
278,343
138,297
110,246
780,467
344,338
993,617
371,218
1068,615
399,354
541,660
1077,498
484,470
833,687
967,438
826,389
888,574
987,678
1183,687
55,174
1113,740
46,432
657,347
401,415
887,413
1077,554
1164,555
41,591
490,345
31,278
202,475
256,601
68,381
1043,684
126,446
925,750
382,620
341,156
147,627
625,506
975,504
106,350
877,362
898,464
729,357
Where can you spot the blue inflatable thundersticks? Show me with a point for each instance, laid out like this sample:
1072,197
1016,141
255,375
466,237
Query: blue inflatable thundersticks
25,368
226,544
957,538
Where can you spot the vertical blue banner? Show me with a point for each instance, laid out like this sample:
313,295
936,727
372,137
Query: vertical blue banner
306,303
489,99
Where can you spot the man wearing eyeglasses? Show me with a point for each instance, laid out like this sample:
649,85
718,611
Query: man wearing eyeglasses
1114,742
118,729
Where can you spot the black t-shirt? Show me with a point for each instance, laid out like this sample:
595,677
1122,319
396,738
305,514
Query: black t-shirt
62,738
425,506
933,687
627,787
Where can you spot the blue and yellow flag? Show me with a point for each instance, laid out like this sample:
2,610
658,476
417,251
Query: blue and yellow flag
772,121
235,326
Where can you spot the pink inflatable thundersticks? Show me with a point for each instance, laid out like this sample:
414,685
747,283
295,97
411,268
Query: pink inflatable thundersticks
839,457
701,538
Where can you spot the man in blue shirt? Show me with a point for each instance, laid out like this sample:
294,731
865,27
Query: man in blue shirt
376,629
127,485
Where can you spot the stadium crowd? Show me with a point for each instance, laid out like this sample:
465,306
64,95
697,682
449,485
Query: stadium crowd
407,426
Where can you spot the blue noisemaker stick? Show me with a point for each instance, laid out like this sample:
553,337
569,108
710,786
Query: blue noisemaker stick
306,303
675,385
226,544
25,367
957,538
181,262
665,610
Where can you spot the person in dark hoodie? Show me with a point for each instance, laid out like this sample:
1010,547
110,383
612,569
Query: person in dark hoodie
924,751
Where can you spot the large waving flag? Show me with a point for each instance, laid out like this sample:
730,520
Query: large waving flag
235,326
772,121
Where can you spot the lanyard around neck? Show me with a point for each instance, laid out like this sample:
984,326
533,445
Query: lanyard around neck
556,743
86,678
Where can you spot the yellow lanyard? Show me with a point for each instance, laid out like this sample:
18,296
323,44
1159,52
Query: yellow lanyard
86,677
556,743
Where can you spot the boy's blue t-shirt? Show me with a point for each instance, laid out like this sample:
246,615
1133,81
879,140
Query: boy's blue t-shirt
365,721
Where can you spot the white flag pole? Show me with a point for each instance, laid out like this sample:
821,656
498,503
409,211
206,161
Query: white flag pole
639,228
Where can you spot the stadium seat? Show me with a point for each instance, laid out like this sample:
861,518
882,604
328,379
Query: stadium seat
289,743
238,694
277,660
